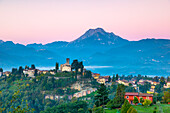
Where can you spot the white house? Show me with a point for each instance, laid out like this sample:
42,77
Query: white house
1,73
29,72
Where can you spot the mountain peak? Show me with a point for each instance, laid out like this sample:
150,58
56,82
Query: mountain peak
98,37
93,31
101,30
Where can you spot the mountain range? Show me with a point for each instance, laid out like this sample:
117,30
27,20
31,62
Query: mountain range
96,47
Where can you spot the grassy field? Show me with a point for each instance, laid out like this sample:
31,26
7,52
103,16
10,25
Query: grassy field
166,108
110,111
143,109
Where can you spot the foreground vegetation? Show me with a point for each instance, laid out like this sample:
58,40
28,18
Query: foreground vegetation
20,93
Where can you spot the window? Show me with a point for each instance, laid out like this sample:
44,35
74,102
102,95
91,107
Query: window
127,96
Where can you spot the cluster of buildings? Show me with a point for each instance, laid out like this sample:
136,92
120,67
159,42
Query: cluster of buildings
84,92
101,79
142,82
7,73
167,85
57,97
31,72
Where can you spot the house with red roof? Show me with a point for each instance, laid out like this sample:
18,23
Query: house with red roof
131,95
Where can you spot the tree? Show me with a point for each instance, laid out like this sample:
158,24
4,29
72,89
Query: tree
130,89
102,96
71,107
87,74
60,92
145,87
32,66
1,70
81,66
158,88
26,67
56,67
119,98
36,72
20,70
166,96
168,79
109,79
130,109
133,111
141,100
162,81
14,70
10,103
98,110
125,106
74,65
113,78
147,102
156,79
117,76
130,84
135,101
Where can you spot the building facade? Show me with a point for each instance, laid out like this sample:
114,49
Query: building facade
131,95
66,66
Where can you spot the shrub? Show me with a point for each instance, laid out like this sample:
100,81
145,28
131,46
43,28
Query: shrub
130,109
141,100
135,101
133,111
147,102
125,106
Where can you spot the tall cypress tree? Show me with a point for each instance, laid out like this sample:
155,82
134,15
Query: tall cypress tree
20,70
117,76
168,79
102,97
120,94
32,66
1,70
75,65
113,78
36,72
56,67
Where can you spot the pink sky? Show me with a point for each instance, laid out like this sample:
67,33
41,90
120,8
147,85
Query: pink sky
44,21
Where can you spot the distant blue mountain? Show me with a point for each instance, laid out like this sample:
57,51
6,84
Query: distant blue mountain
98,38
12,55
94,47
50,46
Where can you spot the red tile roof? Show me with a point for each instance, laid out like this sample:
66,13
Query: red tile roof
131,93
137,94
145,94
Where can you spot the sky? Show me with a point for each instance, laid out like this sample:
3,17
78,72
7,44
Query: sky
45,21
